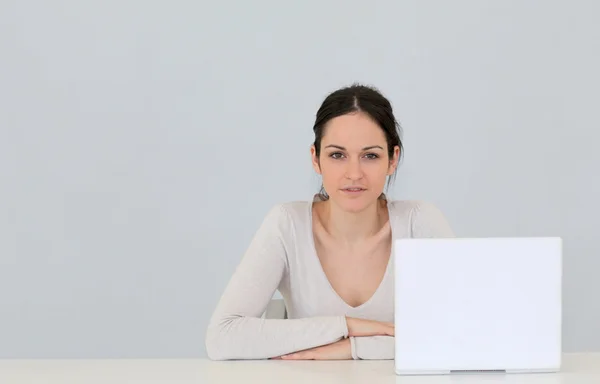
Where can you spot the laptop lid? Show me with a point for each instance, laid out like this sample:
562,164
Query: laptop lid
489,304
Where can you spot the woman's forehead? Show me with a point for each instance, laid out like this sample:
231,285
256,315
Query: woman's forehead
354,130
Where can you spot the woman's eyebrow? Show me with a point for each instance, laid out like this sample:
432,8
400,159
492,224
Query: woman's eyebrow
373,147
364,149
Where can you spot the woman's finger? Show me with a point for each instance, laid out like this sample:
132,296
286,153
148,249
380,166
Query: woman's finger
297,356
391,330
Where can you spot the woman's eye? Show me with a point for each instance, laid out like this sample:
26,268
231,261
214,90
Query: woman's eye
336,155
371,156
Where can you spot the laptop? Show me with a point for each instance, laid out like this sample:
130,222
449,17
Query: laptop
478,305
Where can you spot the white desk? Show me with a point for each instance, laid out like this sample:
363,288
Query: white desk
577,369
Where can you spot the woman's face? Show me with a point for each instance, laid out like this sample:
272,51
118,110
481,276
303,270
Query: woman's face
354,161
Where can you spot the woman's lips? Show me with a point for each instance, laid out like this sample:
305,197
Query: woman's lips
353,190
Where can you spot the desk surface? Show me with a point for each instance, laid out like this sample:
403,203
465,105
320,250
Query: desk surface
577,369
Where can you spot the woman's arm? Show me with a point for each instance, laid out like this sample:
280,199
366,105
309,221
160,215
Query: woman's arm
369,340
236,329
354,348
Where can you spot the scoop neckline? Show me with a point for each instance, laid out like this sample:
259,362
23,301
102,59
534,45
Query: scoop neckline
315,255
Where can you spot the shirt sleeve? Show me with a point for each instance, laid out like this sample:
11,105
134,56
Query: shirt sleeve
237,331
427,221
373,347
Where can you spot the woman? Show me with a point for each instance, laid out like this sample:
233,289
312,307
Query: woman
330,258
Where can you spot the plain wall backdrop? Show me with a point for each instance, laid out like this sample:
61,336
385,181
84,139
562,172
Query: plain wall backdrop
142,143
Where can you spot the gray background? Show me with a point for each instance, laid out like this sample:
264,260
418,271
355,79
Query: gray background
142,143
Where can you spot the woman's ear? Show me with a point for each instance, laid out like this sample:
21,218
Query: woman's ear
315,159
394,161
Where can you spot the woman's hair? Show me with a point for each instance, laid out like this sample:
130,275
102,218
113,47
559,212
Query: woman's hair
364,99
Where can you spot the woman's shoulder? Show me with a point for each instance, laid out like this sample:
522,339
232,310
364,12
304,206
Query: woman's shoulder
291,210
421,218
288,216
412,208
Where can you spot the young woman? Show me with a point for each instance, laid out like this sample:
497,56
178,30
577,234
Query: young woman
330,258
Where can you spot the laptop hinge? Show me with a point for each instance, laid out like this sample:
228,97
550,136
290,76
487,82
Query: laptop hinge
476,371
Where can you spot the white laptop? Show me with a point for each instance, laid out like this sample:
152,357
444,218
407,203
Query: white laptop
478,305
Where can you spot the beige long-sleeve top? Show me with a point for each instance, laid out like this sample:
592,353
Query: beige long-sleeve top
282,256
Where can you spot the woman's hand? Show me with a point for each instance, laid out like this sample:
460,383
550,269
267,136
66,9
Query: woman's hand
362,327
340,350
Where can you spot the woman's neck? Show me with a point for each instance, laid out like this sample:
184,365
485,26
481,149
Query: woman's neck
350,228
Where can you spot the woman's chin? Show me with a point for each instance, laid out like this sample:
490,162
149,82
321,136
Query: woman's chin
354,203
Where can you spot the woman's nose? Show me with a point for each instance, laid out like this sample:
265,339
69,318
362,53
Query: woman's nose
353,170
